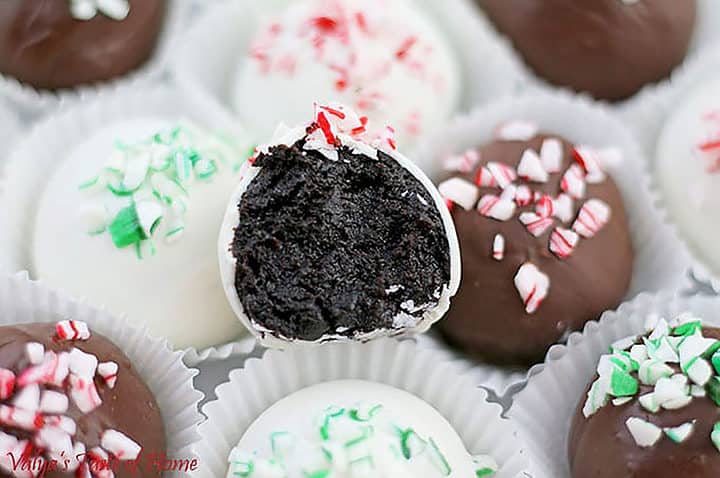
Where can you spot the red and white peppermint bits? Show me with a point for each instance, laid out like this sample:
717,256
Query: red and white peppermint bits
563,207
53,370
495,207
551,155
591,162
532,285
463,163
563,242
498,251
484,179
84,394
545,207
108,371
35,352
459,191
504,175
7,383
28,398
530,167
517,130
19,418
120,445
536,225
573,182
82,364
72,330
53,402
524,196
593,216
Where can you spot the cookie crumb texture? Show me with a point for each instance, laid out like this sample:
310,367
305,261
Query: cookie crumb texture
337,248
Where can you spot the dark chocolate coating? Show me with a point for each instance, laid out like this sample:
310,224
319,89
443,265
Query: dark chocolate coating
601,446
43,45
129,407
605,47
319,243
487,317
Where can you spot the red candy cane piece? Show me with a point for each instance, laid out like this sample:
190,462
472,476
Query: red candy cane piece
496,208
108,371
77,457
498,251
536,225
84,393
35,352
62,422
7,383
460,192
563,207
82,364
545,207
28,398
530,167
53,402
563,242
72,330
120,445
516,131
551,155
55,440
590,160
592,217
463,163
532,285
484,179
504,175
523,196
100,463
23,419
573,182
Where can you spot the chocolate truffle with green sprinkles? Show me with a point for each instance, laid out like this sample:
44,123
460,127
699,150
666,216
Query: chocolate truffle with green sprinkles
653,409
333,235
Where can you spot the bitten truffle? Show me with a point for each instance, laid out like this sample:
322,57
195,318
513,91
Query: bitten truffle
609,48
544,242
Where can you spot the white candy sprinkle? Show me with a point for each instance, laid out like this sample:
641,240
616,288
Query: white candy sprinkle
82,364
7,383
517,131
551,154
483,178
496,208
573,182
28,398
55,440
668,390
523,195
563,207
72,330
621,401
504,175
589,159
530,167
592,217
83,9
680,433
84,394
535,224
498,251
120,445
649,403
700,372
459,191
53,402
35,352
108,370
463,163
644,433
532,285
563,242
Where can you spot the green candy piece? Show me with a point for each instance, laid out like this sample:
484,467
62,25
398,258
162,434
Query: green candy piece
125,229
712,350
688,328
715,436
317,474
622,384
411,444
483,472
716,362
325,428
245,469
713,390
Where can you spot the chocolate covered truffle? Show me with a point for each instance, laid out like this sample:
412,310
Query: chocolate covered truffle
653,409
609,48
54,44
544,242
71,404
333,234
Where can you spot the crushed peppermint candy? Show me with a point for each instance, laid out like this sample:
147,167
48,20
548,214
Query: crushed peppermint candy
551,155
498,250
534,223
563,242
517,130
496,207
460,192
532,285
531,168
85,10
675,361
463,163
37,401
143,193
593,216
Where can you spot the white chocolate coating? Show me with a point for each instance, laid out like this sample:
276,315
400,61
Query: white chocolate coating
685,176
284,73
298,413
177,293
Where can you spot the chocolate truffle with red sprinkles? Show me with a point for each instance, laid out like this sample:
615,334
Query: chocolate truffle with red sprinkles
544,241
333,235
71,404
608,48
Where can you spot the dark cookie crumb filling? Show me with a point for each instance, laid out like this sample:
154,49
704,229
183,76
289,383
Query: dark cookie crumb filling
322,246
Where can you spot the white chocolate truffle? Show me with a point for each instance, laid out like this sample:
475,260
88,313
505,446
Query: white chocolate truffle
352,428
89,241
688,171
383,58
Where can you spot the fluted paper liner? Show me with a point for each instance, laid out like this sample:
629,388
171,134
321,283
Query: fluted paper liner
23,301
403,365
9,132
545,408
45,147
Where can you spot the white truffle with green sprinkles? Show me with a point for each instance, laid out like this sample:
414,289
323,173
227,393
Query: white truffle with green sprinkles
653,407
129,220
353,429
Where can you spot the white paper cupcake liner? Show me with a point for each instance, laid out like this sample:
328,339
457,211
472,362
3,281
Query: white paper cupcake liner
402,365
39,153
226,29
9,132
661,258
706,37
31,101
545,408
23,301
